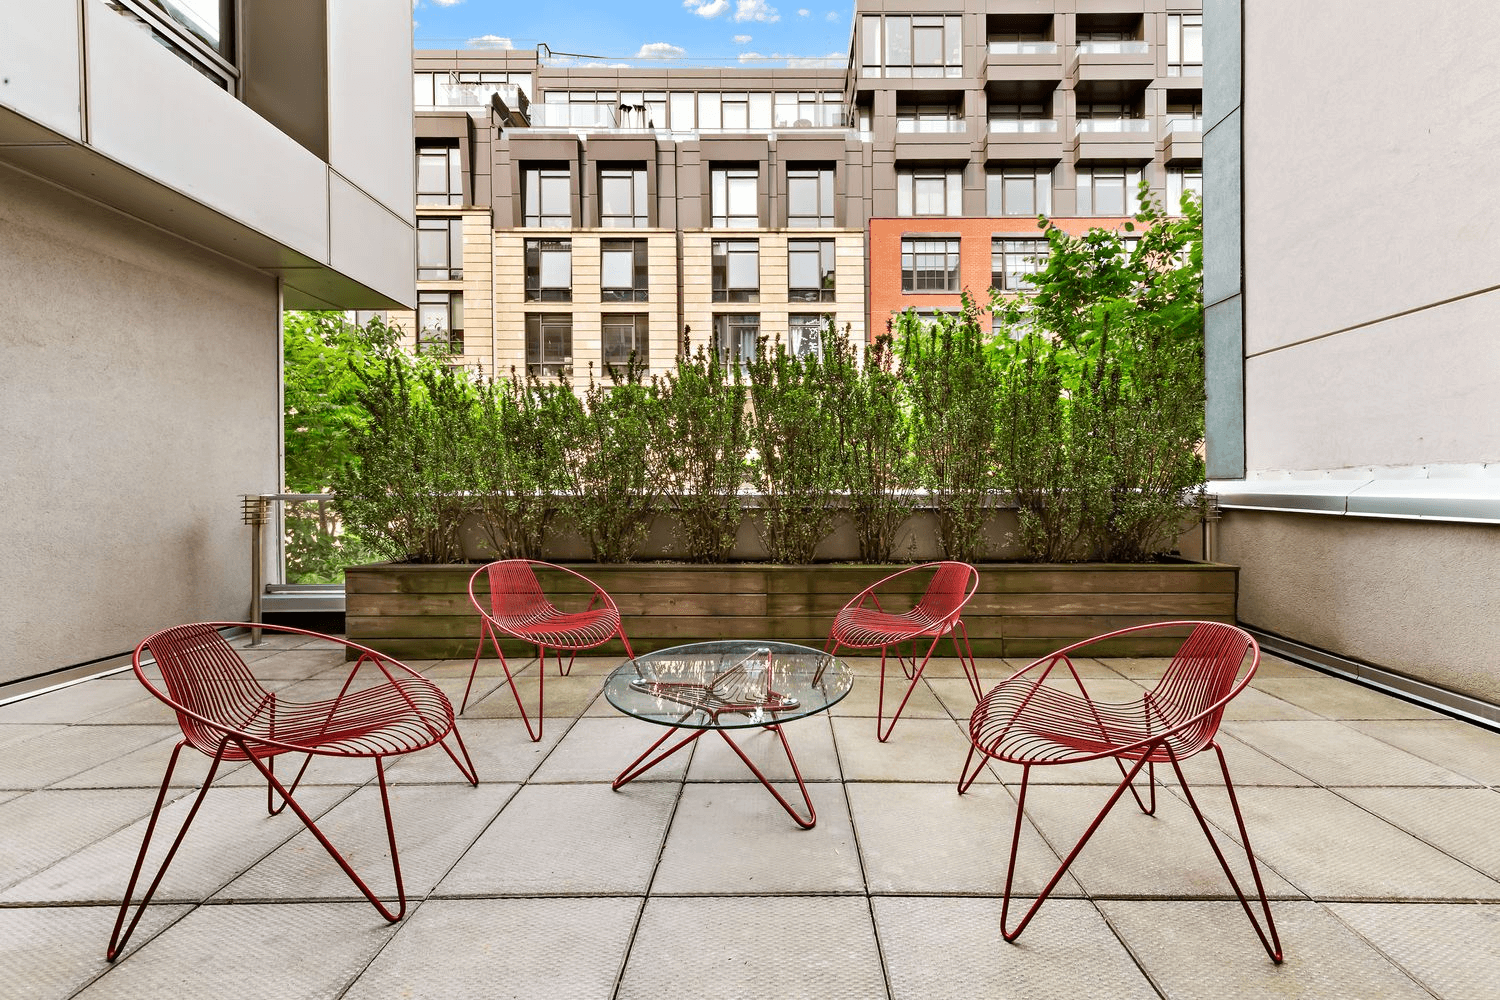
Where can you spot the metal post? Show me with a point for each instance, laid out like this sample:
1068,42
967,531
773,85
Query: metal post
256,511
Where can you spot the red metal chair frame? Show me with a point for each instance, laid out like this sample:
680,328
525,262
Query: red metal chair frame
518,609
936,614
228,715
1021,721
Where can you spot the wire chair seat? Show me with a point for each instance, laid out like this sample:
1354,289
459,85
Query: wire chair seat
1026,723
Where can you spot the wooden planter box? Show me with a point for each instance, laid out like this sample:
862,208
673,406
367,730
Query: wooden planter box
423,612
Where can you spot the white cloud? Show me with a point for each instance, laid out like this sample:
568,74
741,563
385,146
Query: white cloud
706,8
490,42
833,15
804,12
742,39
833,60
749,57
755,10
661,50
447,3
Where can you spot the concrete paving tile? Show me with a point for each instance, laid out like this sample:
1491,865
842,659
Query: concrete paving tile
435,824
500,750
147,711
1332,849
301,663
1087,666
1254,705
862,666
483,948
734,839
43,827
955,695
231,833
77,702
1451,948
863,699
918,750
565,697
947,948
144,768
53,756
938,666
250,952
568,840
15,732
768,946
1272,665
1209,950
1333,754
928,839
1334,698
599,749
811,740
1247,766
271,640
1132,854
1459,746
1457,821
322,771
460,667
48,953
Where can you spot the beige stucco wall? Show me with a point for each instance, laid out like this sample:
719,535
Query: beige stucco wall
1415,598
138,400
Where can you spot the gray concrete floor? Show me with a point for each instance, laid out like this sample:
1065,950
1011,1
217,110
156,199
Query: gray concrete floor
1374,821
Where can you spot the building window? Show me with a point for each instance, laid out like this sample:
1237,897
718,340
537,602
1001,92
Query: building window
1184,44
549,271
1108,190
440,179
734,195
929,265
440,249
549,343
929,192
623,197
735,336
1180,179
930,118
200,34
736,271
805,334
1014,262
577,109
809,196
440,323
622,271
548,194
1018,191
920,45
624,336
810,270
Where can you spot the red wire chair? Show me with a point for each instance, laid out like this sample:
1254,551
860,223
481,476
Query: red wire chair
936,614
518,609
1025,722
225,713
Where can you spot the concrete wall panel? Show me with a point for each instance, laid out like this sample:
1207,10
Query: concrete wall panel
138,400
1415,598
370,98
370,241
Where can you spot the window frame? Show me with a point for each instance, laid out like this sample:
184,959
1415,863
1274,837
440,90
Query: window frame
636,176
798,325
537,360
997,204
440,339
1178,32
452,193
639,290
722,186
1013,257
826,289
537,253
907,190
640,344
1087,183
913,246
730,337
452,269
822,176
723,254
535,178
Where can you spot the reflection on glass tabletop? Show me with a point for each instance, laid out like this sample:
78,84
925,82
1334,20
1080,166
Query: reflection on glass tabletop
728,685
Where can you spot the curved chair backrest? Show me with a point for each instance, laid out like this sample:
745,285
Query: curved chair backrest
1203,673
205,676
952,584
515,592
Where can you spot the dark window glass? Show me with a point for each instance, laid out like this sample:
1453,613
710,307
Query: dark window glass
440,323
624,337
929,265
736,271
440,249
810,270
549,271
622,271
735,336
549,343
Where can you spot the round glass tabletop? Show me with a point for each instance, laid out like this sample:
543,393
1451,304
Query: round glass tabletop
735,684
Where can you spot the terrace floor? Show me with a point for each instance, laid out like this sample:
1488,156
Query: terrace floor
1375,822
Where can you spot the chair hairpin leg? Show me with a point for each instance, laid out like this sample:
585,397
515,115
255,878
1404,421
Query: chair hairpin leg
965,779
484,631
117,937
882,731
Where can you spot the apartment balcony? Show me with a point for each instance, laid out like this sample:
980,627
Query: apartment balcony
933,140
1022,61
1182,140
1123,60
1023,139
1128,139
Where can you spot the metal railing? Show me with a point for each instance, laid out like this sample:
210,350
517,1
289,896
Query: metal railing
1112,125
1128,47
1023,48
1012,125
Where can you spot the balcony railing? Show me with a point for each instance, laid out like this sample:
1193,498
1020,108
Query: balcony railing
477,95
941,125
1177,126
1023,48
1112,125
1128,47
572,116
1013,125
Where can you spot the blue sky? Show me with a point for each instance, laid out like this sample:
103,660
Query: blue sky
693,32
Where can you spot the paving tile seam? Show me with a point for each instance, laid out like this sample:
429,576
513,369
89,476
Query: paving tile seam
1373,946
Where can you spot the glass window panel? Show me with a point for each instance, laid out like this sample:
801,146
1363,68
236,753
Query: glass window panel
898,41
616,268
760,110
927,46
955,193
422,90
432,248
557,268
870,45
953,41
683,118
1020,194
708,111
904,196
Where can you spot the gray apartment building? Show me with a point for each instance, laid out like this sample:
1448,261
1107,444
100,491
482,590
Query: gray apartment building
570,214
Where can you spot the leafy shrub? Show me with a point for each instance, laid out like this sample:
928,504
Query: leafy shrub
613,480
702,443
519,472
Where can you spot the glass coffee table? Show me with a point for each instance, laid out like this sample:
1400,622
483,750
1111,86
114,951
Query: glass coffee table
719,686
